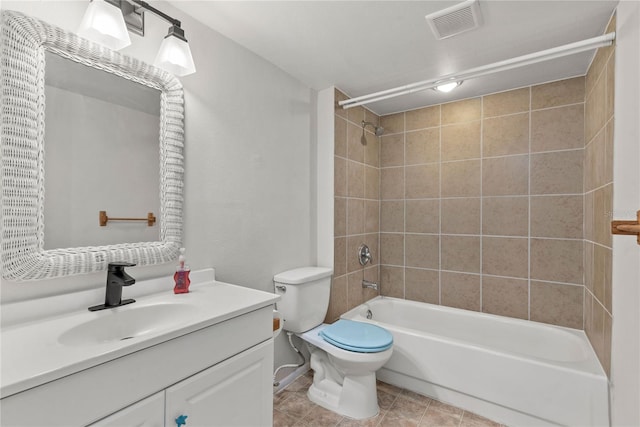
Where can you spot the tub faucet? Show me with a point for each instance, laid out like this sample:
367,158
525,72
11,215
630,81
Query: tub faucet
116,279
370,285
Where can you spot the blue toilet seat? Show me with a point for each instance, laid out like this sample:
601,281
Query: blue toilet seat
359,337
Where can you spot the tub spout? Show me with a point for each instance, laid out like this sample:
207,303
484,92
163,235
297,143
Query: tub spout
370,285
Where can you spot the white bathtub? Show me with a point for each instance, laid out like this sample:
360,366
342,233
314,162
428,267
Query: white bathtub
517,372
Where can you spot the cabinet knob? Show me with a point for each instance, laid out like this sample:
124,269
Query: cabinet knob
181,420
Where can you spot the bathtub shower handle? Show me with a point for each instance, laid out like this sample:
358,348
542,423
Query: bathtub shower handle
369,314
364,255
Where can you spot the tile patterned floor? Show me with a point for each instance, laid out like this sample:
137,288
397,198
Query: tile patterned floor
398,408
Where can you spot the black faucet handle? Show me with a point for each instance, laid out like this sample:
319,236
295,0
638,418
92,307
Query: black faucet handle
120,265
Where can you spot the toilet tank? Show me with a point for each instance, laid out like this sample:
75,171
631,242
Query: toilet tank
304,294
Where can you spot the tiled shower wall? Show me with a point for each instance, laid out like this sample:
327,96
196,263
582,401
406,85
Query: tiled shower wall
482,203
598,187
357,207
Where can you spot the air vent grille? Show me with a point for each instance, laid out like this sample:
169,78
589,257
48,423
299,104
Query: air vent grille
455,20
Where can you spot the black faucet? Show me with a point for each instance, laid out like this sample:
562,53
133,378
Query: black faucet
116,279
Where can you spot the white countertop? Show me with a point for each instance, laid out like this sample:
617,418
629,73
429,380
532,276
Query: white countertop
32,353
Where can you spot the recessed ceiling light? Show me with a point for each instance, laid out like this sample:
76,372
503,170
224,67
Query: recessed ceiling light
447,87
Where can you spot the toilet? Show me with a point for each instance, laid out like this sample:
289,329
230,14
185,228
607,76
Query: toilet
344,355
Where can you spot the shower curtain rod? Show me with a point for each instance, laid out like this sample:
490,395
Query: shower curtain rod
507,64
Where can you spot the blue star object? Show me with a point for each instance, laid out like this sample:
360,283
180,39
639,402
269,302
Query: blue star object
181,420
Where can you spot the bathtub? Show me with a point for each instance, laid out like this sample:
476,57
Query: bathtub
516,372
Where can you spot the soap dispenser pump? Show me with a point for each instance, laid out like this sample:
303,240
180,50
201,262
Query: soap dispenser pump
181,276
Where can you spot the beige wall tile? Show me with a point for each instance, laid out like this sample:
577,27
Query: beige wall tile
460,253
557,260
371,183
557,173
595,159
562,92
461,216
338,301
355,291
597,67
339,176
461,111
557,216
422,216
422,250
339,256
461,141
371,117
355,148
392,150
391,249
392,281
505,176
589,212
392,216
513,101
505,296
339,216
422,285
372,151
602,207
423,118
557,304
595,108
371,216
391,183
355,179
353,243
505,216
608,163
422,181
339,111
461,179
460,290
587,316
600,254
610,87
422,146
505,135
588,265
340,137
356,115
505,256
606,356
558,128
393,123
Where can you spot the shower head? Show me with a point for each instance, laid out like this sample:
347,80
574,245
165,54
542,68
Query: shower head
378,130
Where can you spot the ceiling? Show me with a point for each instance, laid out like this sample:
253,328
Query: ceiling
368,46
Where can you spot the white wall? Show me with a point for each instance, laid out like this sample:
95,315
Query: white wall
248,196
625,352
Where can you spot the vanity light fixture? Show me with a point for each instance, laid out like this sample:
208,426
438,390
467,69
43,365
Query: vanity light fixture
103,23
174,55
447,87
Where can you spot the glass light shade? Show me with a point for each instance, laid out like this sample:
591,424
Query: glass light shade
448,87
175,57
103,23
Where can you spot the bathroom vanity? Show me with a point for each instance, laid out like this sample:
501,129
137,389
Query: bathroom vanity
200,357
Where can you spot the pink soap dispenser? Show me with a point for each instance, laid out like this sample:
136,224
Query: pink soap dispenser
181,276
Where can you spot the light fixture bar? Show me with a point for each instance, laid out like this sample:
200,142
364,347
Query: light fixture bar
157,12
508,64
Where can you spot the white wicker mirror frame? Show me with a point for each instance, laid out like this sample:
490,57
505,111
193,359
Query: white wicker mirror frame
22,105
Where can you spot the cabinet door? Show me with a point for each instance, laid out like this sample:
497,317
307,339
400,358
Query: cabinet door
235,392
148,412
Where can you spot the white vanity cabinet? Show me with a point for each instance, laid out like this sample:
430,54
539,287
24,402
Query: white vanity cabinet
219,375
231,393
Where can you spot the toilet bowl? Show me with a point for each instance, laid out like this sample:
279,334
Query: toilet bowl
344,381
345,355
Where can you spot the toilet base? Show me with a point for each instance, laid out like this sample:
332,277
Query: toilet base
357,397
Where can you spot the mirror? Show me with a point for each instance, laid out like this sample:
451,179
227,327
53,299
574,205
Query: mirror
32,246
101,152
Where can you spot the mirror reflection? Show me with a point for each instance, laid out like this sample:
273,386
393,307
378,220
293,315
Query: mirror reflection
101,154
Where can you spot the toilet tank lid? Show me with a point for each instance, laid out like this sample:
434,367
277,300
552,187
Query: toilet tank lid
302,275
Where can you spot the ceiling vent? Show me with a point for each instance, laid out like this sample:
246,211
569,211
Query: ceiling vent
455,20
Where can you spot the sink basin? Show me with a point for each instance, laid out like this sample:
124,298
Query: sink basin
126,322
